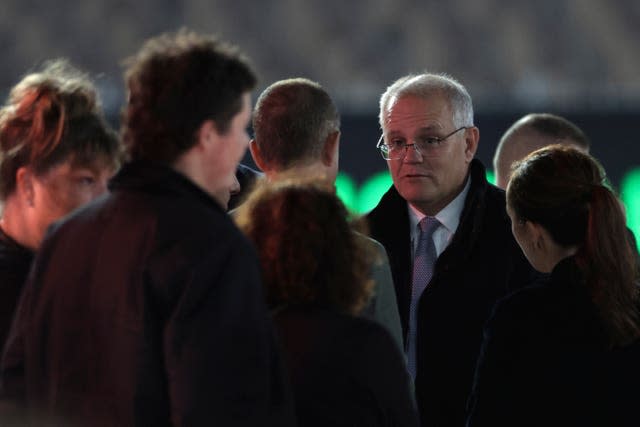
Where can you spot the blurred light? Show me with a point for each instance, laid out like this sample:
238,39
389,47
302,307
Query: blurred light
630,195
372,190
346,191
375,186
491,176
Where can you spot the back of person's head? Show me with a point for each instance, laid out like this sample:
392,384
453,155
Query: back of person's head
175,83
563,189
53,116
425,86
291,122
530,133
307,251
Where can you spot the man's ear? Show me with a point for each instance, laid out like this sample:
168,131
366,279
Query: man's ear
330,149
472,137
537,234
24,185
258,159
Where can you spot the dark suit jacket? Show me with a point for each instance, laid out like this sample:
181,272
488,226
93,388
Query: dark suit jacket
481,264
345,371
146,308
545,361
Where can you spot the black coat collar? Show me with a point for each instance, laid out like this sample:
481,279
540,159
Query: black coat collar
156,178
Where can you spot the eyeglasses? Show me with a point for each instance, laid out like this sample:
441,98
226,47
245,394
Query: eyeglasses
427,146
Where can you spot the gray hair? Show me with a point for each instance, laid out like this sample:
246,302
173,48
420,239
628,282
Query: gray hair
425,85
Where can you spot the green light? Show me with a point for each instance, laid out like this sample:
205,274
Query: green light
372,190
491,176
346,191
630,195
374,187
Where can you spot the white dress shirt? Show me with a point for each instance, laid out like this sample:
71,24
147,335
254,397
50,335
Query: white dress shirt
449,218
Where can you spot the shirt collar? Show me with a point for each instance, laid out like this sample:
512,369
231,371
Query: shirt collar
449,216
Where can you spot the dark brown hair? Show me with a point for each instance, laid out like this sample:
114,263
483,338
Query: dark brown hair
308,253
52,116
291,122
176,82
563,189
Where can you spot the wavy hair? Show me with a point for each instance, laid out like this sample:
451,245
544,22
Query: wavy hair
307,250
176,82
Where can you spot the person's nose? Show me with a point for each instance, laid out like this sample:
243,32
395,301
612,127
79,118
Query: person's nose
101,187
235,186
412,154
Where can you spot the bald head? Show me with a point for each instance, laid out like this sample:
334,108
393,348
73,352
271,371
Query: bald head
530,133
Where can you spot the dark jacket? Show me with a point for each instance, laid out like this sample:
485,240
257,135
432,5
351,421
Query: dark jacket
15,262
545,361
146,308
481,264
345,371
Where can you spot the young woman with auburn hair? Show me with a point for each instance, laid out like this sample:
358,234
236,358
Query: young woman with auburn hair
564,352
345,370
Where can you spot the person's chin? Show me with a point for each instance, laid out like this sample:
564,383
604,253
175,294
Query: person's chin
222,199
416,192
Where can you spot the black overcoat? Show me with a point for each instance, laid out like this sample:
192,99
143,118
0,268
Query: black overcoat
546,361
481,264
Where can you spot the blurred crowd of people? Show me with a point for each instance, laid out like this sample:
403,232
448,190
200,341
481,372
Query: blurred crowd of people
147,278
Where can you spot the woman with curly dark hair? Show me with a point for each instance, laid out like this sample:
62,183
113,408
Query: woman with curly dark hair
565,352
345,371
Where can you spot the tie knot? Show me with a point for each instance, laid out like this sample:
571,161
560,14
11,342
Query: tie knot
427,225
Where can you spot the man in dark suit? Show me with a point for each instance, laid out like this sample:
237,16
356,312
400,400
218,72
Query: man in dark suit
467,257
146,308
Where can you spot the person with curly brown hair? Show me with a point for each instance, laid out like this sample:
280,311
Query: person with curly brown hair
56,154
160,317
564,352
345,370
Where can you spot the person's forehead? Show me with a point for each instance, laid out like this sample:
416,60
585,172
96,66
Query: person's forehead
428,112
98,163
